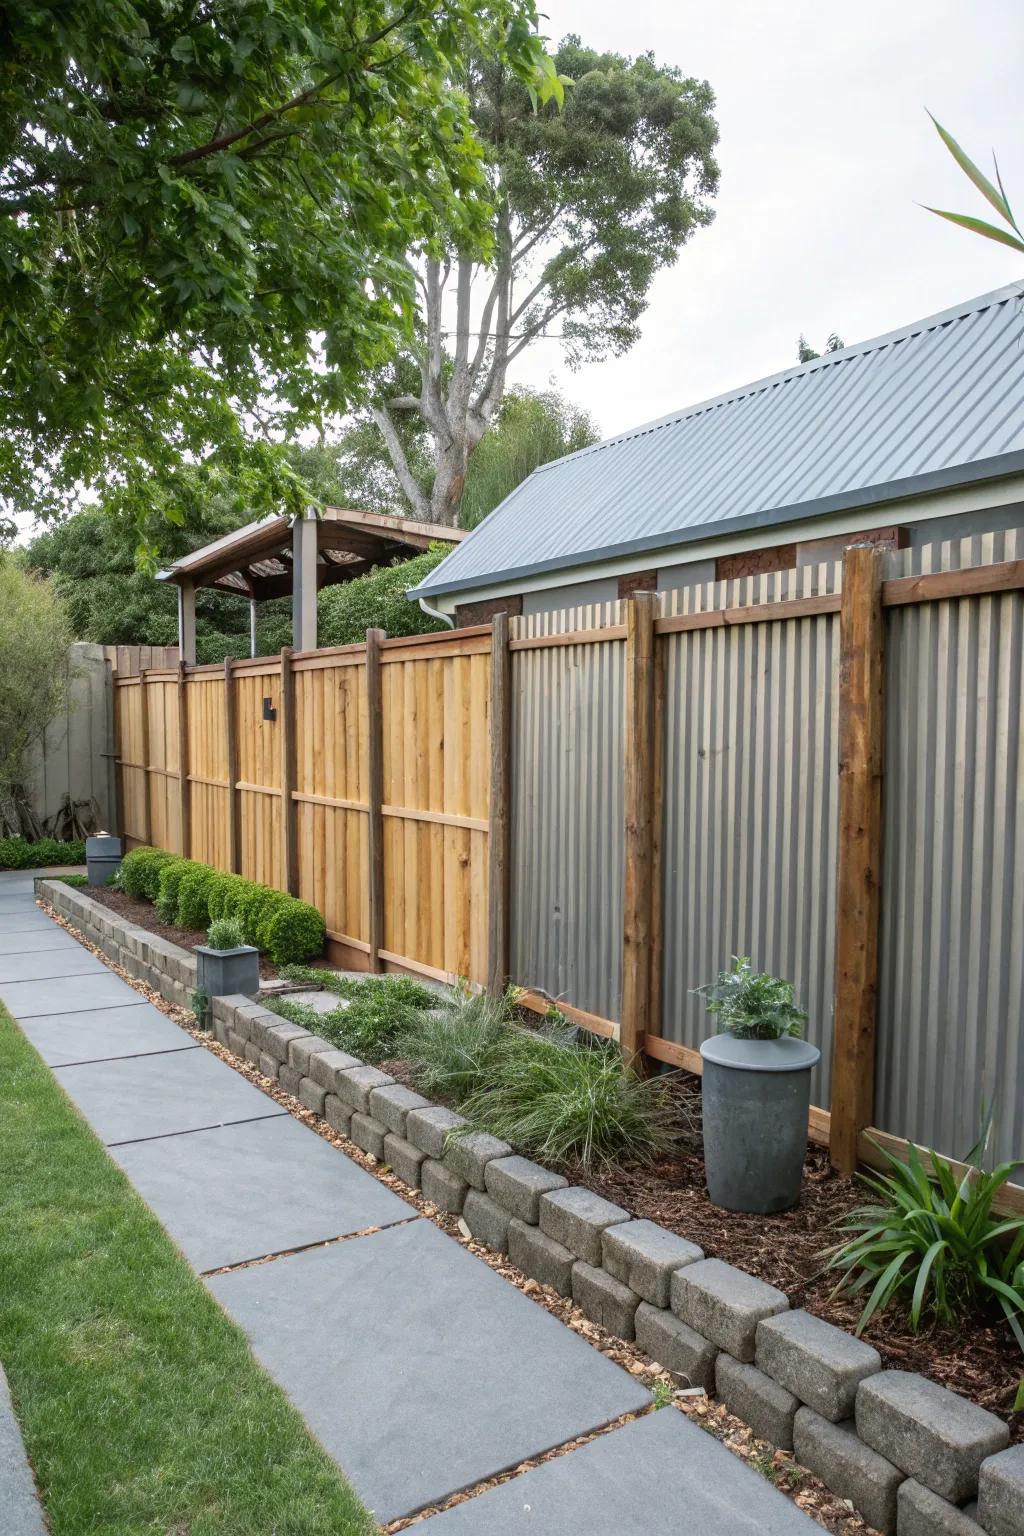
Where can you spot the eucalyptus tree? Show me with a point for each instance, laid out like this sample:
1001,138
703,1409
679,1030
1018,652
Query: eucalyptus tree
590,202
204,211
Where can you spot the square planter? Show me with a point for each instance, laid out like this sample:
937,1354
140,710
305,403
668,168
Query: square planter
221,972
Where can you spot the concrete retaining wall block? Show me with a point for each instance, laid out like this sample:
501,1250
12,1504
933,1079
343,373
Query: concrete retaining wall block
822,1365
300,1053
1001,1493
675,1346
442,1186
487,1220
758,1400
919,1512
268,1064
469,1155
368,1134
289,1078
404,1158
644,1256
517,1185
606,1301
540,1256
277,1039
391,1106
355,1085
576,1218
326,1065
429,1129
836,1454
337,1114
933,1435
311,1095
724,1304
250,1052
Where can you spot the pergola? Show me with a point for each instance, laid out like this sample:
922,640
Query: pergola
279,556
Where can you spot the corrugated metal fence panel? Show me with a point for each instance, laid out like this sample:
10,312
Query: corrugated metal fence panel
567,813
75,756
951,994
750,745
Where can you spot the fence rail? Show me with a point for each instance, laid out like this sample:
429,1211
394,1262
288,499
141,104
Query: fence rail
821,769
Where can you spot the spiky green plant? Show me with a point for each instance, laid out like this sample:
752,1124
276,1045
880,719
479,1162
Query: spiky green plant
558,1101
225,933
450,1047
934,1242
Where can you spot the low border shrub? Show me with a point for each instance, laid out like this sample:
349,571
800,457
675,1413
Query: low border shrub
16,853
140,871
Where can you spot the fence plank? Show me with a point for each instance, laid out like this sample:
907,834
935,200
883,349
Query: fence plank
231,754
184,787
289,844
498,821
375,795
639,820
859,872
147,797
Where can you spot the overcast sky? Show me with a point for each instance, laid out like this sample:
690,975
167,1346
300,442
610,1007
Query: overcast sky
825,154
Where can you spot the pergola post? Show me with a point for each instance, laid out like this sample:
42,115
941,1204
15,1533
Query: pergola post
304,540
252,626
187,622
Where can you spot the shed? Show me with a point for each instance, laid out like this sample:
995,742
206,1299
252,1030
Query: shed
914,436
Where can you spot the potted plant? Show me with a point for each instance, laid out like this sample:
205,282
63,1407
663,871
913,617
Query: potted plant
756,1091
225,963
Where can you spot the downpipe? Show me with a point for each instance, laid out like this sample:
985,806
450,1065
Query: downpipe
435,613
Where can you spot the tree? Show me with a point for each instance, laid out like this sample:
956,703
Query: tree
1012,236
378,601
34,672
529,430
805,353
590,202
200,205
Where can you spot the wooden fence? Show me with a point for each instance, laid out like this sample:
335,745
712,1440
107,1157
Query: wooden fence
413,788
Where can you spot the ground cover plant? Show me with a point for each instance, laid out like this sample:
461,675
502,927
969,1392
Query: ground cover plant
225,933
193,895
373,1017
142,1408
18,853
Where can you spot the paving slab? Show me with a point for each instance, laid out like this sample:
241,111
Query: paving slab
16,901
42,936
417,1367
101,1034
658,1476
28,919
67,994
55,961
23,1515
278,1186
138,1097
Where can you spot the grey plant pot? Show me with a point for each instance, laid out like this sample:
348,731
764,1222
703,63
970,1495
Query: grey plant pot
756,1099
222,972
102,857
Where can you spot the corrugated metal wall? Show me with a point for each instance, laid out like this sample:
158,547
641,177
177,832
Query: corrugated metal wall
567,813
75,756
750,800
951,994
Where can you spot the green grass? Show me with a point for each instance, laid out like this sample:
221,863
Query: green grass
142,1408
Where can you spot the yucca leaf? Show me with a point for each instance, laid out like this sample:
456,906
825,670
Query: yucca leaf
921,1283
883,1290
980,180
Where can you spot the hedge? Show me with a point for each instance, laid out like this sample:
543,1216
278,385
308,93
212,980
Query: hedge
194,895
16,853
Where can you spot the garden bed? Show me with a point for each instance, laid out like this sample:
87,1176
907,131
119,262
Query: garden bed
143,913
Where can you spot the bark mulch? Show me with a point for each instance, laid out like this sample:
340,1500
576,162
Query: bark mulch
145,915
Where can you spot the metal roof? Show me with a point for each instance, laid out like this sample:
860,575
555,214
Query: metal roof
935,404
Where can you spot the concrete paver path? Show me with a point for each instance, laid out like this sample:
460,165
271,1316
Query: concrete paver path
420,1369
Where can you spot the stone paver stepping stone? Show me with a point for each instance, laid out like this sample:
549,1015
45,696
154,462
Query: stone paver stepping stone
320,1002
658,1476
41,936
141,1096
56,960
67,994
104,1033
22,1514
278,1186
420,1369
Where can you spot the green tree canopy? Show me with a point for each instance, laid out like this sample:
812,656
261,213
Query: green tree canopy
590,202
200,205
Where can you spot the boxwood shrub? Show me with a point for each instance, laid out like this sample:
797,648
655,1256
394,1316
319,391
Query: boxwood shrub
193,895
16,853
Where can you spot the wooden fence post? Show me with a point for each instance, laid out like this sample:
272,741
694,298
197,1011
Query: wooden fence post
231,753
375,794
859,874
147,794
184,787
289,845
638,727
499,820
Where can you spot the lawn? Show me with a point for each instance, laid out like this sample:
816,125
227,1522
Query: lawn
141,1405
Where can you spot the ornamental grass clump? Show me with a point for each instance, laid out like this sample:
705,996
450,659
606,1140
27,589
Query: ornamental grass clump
559,1101
450,1048
934,1243
752,1005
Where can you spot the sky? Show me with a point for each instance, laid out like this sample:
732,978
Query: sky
826,153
